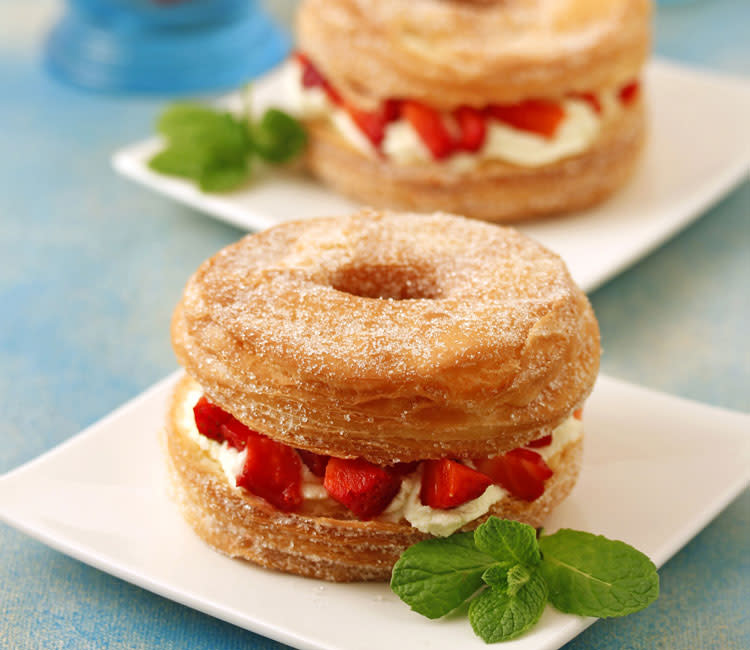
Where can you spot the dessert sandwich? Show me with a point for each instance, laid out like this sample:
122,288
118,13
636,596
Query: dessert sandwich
355,385
499,110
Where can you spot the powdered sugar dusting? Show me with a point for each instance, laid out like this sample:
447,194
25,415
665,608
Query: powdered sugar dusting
389,315
487,287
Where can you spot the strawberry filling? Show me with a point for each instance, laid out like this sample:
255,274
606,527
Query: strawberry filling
472,128
544,441
429,124
447,483
371,123
538,116
522,472
316,463
236,434
311,78
273,470
591,99
533,115
628,94
209,419
366,489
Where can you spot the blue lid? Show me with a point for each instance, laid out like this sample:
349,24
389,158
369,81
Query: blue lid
163,47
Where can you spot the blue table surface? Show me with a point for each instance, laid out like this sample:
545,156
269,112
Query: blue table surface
92,266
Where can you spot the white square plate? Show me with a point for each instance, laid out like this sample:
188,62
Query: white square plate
698,149
101,498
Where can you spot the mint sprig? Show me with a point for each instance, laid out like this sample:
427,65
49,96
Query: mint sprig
503,614
508,575
437,575
509,542
591,575
215,148
277,137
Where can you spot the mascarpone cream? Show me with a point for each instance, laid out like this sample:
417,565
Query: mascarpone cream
407,503
403,146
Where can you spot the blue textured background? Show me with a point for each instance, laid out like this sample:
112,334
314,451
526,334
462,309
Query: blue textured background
91,266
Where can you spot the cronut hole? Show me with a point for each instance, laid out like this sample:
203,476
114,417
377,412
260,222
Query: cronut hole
387,282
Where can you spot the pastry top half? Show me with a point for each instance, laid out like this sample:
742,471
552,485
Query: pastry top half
449,53
388,336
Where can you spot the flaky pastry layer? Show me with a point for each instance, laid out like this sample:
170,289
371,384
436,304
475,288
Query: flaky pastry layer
390,336
323,541
448,53
492,190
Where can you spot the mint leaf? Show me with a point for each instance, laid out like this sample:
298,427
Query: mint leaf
495,615
214,148
497,576
181,118
435,576
181,160
204,145
591,575
278,137
508,580
509,542
517,577
214,170
203,126
223,178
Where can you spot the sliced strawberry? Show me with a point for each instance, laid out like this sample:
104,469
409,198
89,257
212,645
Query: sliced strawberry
447,483
520,471
215,423
316,463
402,469
428,123
311,78
544,441
533,462
535,115
473,128
236,434
364,488
578,414
392,109
371,123
591,99
209,419
332,94
273,472
629,93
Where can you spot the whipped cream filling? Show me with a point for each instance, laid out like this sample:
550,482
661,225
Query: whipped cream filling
230,459
407,503
403,145
441,523
567,432
435,521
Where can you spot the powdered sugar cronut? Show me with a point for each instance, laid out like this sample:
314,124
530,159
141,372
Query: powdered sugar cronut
390,336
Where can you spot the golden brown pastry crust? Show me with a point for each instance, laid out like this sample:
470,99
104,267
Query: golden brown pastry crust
493,190
492,346
448,53
323,542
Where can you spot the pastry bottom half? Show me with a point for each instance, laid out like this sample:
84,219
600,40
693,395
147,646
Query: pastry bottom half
323,540
492,191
